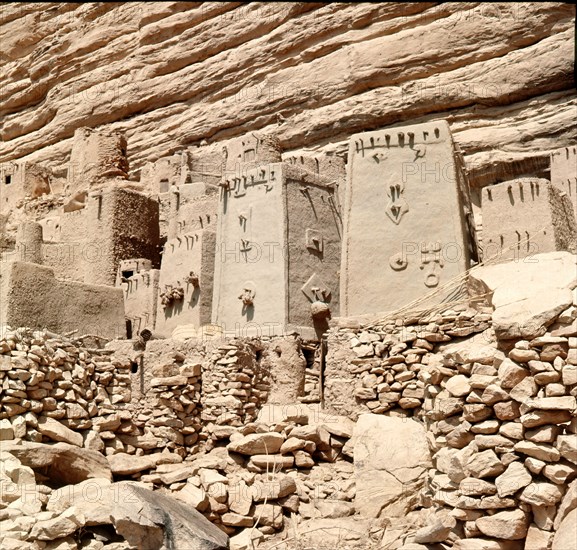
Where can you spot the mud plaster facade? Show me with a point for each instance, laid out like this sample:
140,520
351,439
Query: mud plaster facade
197,165
525,217
96,157
22,180
32,296
253,237
278,243
407,218
87,244
204,164
564,173
139,283
187,269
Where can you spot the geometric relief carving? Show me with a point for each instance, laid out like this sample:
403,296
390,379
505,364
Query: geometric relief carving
398,261
263,177
248,294
314,240
316,290
245,247
431,262
397,205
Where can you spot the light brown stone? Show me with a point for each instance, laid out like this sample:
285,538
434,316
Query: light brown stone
292,444
558,473
58,432
272,462
537,539
279,486
541,494
523,355
458,386
565,403
566,536
567,445
510,374
437,531
122,463
385,472
239,497
515,477
539,418
269,515
61,462
236,520
59,527
541,451
525,310
256,444
485,464
524,390
194,496
507,410
509,525
334,508
543,434
568,503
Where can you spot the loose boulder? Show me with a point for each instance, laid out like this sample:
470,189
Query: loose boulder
391,458
64,464
524,310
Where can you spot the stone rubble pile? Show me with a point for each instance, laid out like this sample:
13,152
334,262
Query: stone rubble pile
260,473
55,392
248,488
83,508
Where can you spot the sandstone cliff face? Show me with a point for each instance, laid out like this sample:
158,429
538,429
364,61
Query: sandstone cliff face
171,74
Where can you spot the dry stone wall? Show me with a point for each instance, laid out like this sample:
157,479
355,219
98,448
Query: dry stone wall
500,416
233,385
389,366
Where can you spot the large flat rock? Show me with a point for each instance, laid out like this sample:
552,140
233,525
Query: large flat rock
528,294
64,464
147,520
391,458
